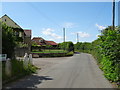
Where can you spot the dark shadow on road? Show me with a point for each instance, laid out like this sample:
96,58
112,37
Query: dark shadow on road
29,82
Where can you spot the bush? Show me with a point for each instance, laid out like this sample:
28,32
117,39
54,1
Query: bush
110,52
17,70
70,54
8,41
69,46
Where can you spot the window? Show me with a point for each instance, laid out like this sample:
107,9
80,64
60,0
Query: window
17,33
41,41
5,20
20,34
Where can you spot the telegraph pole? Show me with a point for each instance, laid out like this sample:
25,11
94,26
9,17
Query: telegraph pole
113,18
64,37
77,37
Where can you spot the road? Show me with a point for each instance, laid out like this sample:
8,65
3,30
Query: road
78,71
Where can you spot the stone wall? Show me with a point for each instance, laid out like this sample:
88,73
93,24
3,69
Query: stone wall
20,52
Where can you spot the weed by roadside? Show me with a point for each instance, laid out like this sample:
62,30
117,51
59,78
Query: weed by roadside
17,71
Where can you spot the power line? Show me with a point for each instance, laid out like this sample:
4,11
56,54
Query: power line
43,14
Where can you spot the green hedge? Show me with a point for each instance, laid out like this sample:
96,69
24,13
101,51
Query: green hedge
55,54
106,50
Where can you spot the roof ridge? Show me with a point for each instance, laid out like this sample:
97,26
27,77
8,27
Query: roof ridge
11,20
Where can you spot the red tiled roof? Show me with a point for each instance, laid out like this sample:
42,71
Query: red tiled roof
37,40
27,32
51,43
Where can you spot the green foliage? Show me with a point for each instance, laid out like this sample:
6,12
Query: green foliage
8,41
36,48
63,45
51,51
69,46
83,47
34,44
18,39
70,53
106,49
21,45
17,70
49,46
110,52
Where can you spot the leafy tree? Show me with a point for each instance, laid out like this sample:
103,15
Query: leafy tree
8,41
69,46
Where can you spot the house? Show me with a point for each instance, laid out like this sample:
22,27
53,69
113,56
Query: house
27,39
41,41
22,36
54,44
19,32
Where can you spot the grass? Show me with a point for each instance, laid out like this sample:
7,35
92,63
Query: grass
17,71
70,53
50,51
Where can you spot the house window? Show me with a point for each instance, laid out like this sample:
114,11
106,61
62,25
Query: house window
20,34
17,33
5,20
41,41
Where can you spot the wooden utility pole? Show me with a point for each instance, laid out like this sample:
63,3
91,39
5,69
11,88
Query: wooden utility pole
64,37
77,37
113,18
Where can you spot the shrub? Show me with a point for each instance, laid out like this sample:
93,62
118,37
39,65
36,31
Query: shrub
106,49
8,41
17,70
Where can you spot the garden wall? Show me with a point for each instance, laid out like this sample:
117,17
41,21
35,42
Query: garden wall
20,52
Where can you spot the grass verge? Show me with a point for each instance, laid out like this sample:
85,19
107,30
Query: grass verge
17,71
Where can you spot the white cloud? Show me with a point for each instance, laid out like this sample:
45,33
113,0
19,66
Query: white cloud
50,32
100,27
69,25
82,34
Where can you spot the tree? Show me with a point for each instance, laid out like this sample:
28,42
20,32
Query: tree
8,41
70,46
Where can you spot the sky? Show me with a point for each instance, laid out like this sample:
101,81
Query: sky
47,19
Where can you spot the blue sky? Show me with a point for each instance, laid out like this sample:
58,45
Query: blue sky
47,19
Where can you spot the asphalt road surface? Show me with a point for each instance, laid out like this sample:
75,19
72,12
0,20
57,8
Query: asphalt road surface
78,71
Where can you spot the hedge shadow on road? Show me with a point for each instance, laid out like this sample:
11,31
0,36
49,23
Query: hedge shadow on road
29,82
